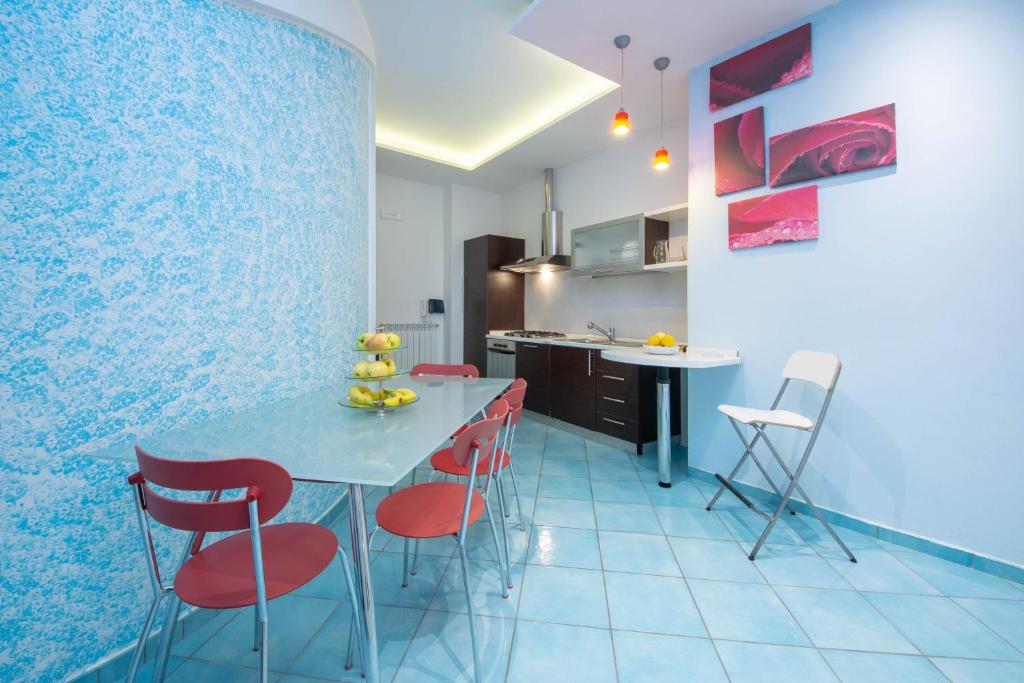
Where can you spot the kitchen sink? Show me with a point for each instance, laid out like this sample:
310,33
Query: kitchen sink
604,342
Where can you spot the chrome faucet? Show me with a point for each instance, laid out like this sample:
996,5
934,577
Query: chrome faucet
610,332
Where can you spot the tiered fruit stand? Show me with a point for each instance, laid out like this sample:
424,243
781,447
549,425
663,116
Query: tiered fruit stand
380,402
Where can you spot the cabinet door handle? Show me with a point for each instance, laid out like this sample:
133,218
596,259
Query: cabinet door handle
588,362
614,400
617,379
614,422
530,346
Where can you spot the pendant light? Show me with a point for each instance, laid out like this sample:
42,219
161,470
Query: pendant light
620,124
661,160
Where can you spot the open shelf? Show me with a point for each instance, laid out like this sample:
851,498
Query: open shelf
666,266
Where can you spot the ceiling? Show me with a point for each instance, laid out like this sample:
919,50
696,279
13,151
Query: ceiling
453,86
473,80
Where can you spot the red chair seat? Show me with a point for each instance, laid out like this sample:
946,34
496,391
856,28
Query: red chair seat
443,461
221,575
427,510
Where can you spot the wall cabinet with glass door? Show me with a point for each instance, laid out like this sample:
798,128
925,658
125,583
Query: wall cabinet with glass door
616,247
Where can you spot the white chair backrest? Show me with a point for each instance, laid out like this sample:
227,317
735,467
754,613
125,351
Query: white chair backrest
812,366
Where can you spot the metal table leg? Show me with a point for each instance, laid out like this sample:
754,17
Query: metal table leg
664,430
361,564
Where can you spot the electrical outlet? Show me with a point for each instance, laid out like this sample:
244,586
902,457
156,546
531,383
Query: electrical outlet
392,214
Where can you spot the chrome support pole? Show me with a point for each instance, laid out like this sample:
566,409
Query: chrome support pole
262,609
361,561
664,429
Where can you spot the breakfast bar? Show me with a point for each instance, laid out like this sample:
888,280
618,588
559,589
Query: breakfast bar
694,357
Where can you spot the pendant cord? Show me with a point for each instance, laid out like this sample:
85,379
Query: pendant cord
622,77
661,135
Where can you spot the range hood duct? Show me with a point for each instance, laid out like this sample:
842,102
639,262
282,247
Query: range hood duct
551,257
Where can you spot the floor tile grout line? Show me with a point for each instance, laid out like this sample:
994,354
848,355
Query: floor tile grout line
529,540
607,603
700,613
963,609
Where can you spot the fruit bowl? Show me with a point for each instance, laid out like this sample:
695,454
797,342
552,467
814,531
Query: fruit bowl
377,378
661,350
379,352
373,406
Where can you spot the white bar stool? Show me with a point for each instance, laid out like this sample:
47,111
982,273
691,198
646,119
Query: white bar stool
806,366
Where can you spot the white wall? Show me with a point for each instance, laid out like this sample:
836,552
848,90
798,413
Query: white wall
614,183
421,256
410,252
915,280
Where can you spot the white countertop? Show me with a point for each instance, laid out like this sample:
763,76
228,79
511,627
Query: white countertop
694,357
573,340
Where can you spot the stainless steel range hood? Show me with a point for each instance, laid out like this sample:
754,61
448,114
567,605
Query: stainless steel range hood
550,258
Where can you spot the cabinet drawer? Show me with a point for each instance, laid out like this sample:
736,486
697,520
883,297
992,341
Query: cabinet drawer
617,427
611,383
616,368
617,406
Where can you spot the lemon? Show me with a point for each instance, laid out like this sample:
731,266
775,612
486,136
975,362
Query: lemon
655,339
668,340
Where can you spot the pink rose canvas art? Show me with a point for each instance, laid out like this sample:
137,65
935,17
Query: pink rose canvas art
843,145
770,65
739,152
788,216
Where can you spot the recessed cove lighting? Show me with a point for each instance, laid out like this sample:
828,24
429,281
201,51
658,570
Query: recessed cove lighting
588,88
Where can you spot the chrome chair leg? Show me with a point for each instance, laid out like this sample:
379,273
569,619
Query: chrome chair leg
503,567
503,509
257,640
264,653
140,647
477,669
807,499
405,563
519,502
166,637
415,556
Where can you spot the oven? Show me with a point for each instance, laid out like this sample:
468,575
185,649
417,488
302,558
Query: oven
501,358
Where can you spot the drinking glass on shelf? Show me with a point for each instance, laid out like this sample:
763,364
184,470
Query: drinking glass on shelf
661,251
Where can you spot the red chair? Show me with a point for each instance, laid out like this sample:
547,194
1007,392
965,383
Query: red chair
443,461
444,370
440,509
255,566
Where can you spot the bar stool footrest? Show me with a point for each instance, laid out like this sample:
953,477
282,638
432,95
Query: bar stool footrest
743,499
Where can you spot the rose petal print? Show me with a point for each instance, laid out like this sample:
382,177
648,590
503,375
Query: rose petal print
751,137
739,152
843,145
782,217
769,65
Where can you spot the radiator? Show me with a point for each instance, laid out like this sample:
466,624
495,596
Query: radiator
421,341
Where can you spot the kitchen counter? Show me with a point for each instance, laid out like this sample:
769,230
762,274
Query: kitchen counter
693,357
576,341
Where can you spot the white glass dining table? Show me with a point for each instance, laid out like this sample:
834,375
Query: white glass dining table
318,440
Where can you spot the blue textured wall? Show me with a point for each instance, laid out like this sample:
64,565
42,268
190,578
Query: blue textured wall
915,279
184,223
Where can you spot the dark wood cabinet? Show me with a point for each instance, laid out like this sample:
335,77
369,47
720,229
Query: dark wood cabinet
626,398
492,298
580,387
572,385
533,363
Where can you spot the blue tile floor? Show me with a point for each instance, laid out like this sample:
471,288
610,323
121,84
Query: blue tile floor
617,579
